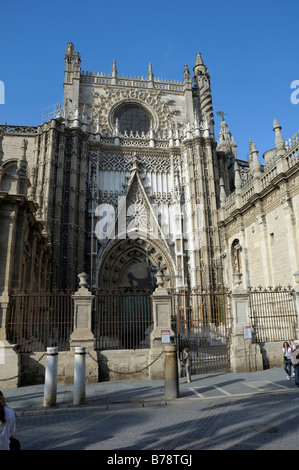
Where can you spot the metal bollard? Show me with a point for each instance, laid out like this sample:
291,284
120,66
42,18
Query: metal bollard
50,387
171,377
79,375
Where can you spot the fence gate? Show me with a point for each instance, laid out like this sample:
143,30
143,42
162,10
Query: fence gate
122,319
202,323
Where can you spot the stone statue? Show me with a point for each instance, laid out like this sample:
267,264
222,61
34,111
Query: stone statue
237,258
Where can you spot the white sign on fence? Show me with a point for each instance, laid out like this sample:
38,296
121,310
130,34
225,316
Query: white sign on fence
165,336
247,332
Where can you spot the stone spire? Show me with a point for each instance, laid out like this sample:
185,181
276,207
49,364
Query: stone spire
23,181
22,163
224,134
199,64
202,88
114,69
222,193
279,142
69,53
150,76
226,142
72,73
187,78
256,166
150,72
114,73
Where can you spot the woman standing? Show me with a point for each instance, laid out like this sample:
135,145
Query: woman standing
287,363
7,424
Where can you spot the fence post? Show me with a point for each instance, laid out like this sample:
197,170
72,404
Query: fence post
171,376
82,335
79,375
245,356
50,387
161,305
296,275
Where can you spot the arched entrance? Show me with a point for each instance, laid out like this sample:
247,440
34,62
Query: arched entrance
123,314
131,263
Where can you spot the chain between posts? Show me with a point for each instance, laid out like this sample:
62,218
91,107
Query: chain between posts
110,370
25,371
130,373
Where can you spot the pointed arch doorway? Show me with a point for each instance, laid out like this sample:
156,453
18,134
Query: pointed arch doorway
123,313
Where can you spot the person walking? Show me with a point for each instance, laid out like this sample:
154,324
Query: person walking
295,362
187,363
7,424
287,363
293,348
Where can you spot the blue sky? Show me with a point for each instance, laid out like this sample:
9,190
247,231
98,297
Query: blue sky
251,49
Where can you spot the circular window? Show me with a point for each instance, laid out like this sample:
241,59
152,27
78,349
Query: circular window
132,117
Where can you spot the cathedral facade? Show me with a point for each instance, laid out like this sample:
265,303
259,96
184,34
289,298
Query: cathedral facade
130,176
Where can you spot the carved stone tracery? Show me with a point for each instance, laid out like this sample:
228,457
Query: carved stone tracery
104,104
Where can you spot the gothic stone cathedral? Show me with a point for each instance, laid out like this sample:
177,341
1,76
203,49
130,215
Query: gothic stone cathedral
130,176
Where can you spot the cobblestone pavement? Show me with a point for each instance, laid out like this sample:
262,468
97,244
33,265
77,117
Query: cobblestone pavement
252,423
257,411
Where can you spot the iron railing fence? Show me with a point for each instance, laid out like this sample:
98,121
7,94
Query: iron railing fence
202,322
122,319
37,320
272,313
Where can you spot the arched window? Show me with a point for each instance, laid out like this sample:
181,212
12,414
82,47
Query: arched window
132,117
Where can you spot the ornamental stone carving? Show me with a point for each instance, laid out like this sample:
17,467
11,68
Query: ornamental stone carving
105,103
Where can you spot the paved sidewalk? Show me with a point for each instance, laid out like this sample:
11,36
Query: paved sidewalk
28,400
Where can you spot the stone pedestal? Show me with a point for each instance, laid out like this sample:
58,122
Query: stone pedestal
245,355
161,304
82,336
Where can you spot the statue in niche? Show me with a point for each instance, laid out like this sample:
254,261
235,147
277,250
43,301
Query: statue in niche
236,257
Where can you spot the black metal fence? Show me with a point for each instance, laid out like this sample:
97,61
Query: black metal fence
272,313
202,322
37,320
122,319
